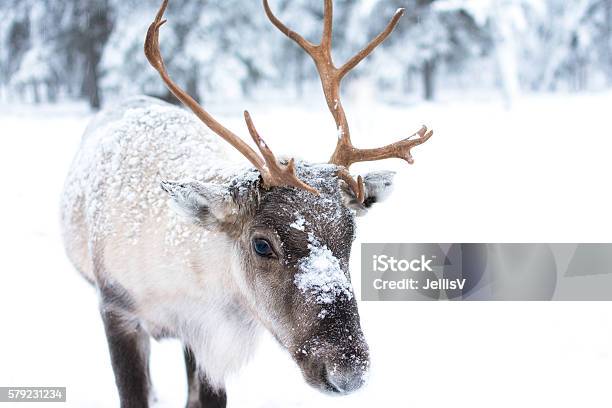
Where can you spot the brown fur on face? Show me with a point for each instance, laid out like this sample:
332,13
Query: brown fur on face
323,338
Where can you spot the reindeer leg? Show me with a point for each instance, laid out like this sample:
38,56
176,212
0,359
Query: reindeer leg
128,344
200,393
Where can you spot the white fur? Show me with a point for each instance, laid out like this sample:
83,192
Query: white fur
118,227
188,197
379,184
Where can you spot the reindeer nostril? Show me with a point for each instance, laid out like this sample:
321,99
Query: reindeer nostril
344,380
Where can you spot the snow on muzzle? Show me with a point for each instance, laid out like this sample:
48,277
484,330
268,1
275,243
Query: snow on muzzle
334,356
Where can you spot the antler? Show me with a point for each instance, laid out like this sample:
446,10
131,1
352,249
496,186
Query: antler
272,172
331,79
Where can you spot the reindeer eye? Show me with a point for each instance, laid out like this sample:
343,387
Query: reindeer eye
262,248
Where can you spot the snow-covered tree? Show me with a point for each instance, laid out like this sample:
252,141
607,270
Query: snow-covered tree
503,21
51,50
429,37
568,44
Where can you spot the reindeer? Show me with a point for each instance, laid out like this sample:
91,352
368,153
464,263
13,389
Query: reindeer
238,250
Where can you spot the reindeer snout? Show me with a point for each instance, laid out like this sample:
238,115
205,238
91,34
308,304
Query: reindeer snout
346,379
345,370
333,368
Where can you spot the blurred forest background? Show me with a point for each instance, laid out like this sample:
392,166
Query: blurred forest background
91,50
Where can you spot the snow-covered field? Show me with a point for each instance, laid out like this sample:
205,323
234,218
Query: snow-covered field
537,173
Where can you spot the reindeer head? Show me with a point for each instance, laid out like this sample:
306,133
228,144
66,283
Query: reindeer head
292,224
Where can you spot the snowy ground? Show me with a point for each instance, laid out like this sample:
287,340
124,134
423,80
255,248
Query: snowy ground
539,172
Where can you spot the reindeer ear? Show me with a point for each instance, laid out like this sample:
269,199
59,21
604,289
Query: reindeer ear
378,186
200,202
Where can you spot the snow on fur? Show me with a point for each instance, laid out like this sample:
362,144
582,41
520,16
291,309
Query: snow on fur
321,275
299,222
101,183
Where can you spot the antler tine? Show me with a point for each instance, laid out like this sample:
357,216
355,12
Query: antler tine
277,174
397,150
272,173
367,50
328,25
356,185
301,41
